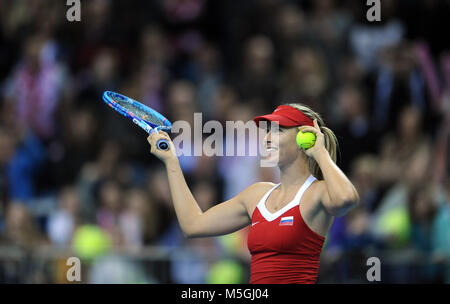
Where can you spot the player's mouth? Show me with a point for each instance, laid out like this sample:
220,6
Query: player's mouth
271,149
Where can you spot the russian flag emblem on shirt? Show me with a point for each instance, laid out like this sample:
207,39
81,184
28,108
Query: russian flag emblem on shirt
287,221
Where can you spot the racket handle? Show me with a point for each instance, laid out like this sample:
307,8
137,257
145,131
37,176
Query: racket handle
162,144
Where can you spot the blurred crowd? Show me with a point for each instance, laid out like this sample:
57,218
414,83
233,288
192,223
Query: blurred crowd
75,175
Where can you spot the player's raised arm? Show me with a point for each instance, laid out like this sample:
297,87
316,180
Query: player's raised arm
221,219
339,195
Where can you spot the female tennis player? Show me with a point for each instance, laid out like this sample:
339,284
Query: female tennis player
289,220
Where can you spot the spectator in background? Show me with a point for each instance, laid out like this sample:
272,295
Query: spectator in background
422,206
7,150
350,73
22,156
147,84
291,31
206,70
35,87
21,233
225,97
149,71
63,221
181,100
391,220
154,45
255,79
366,39
207,168
101,74
158,190
96,30
21,229
110,204
424,203
329,25
398,83
305,78
440,238
397,148
353,129
138,221
79,143
364,174
94,173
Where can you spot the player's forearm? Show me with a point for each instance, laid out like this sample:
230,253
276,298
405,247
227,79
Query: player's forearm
343,194
186,207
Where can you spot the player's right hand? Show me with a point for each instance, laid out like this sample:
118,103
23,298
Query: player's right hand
161,154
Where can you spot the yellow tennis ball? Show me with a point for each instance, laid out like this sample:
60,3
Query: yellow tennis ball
306,140
225,272
90,242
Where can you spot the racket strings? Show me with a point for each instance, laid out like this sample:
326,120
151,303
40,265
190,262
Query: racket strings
139,111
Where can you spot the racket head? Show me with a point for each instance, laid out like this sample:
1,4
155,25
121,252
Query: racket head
136,111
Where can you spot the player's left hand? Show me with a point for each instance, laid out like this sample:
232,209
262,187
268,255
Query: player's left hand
319,145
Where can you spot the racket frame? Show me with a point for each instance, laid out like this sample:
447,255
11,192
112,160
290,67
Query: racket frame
149,127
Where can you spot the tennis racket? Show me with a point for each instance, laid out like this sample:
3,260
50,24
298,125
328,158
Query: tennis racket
142,115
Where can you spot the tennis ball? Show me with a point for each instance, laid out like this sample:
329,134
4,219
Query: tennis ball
90,242
225,272
306,140
396,223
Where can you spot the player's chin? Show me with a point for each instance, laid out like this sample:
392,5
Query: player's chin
280,159
272,157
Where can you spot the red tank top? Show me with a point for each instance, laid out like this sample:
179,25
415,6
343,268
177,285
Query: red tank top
284,249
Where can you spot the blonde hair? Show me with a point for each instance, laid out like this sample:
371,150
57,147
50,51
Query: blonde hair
331,142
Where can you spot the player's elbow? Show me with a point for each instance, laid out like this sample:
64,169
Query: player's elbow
188,232
191,235
344,205
192,227
191,232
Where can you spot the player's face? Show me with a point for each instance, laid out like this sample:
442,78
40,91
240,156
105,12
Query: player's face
280,144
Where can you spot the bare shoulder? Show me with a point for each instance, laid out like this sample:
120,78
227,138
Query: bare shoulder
254,190
253,194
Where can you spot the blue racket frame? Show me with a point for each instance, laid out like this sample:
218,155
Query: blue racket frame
149,127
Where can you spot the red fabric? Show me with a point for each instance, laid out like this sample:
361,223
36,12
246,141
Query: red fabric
283,254
286,116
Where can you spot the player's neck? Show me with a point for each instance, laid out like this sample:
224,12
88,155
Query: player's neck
294,174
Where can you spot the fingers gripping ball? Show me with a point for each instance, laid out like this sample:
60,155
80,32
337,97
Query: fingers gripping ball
306,140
